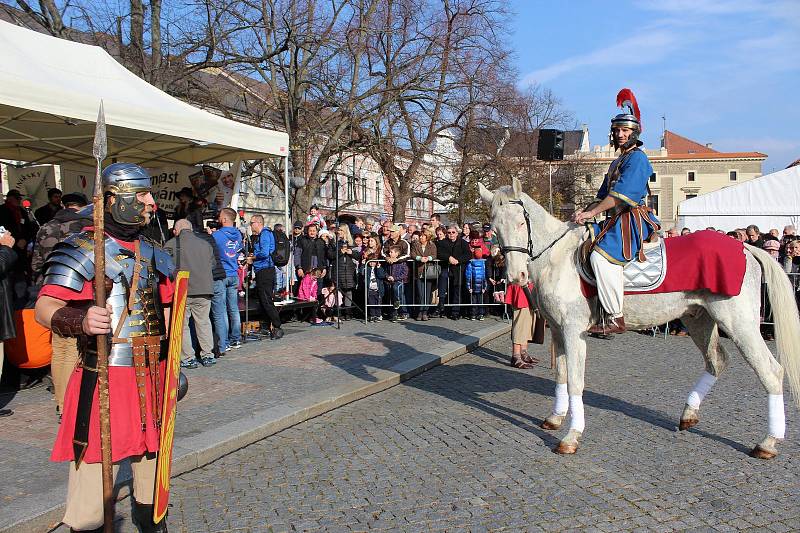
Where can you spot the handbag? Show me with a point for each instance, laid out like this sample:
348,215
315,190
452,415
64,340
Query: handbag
430,271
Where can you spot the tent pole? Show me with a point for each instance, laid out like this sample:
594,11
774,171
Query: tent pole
236,167
288,223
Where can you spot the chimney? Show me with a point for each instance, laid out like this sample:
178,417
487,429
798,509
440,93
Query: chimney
710,146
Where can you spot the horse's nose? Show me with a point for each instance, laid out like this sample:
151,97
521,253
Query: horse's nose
523,277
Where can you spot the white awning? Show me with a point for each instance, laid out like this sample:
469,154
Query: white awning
50,93
771,201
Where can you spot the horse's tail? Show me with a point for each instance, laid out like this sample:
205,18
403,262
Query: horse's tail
785,315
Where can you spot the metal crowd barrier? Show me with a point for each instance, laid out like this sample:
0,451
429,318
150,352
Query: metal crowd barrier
420,295
766,308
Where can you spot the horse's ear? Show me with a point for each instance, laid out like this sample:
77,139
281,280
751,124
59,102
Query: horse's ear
486,195
517,187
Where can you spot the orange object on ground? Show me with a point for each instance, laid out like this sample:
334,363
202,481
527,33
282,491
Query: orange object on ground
31,348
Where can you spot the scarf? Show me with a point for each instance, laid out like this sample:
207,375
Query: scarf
119,231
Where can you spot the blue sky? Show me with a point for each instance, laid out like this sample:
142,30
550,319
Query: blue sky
721,71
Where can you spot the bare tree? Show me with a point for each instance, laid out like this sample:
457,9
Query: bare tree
498,134
305,65
188,35
431,54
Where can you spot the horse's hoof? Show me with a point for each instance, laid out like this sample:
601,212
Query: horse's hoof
564,448
550,426
760,453
689,423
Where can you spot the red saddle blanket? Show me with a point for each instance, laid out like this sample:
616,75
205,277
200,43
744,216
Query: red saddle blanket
700,260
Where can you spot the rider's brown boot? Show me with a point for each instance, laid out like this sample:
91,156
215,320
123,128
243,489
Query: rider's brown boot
613,325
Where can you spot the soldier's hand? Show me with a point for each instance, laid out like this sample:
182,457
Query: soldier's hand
97,320
582,217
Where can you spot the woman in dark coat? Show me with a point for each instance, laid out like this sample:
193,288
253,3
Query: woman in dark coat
374,276
344,266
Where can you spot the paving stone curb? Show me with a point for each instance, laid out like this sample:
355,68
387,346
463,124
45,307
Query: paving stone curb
199,450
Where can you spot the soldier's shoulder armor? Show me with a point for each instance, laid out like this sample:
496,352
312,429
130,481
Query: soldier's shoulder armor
160,257
71,263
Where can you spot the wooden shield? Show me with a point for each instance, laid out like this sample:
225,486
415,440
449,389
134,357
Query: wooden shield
164,465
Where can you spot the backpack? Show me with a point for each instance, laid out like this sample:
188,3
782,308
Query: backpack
282,249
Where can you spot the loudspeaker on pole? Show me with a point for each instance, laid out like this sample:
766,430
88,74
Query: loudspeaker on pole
551,145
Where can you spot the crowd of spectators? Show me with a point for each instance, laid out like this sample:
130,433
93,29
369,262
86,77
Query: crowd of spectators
395,271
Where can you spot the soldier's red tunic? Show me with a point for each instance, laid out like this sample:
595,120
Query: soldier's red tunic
127,437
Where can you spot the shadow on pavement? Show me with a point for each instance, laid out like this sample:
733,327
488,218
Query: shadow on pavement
474,381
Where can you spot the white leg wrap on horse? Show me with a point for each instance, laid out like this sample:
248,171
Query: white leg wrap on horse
777,418
700,390
577,421
610,283
561,403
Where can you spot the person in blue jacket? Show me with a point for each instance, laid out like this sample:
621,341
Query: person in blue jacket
475,274
628,223
264,267
225,303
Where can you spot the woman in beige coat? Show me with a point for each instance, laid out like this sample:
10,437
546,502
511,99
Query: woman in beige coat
427,272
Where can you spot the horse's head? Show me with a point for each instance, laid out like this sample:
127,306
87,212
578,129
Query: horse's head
508,219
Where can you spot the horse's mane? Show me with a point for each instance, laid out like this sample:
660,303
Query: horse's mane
506,192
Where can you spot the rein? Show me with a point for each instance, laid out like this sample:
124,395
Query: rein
529,249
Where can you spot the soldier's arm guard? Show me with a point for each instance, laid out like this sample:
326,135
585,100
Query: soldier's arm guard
68,322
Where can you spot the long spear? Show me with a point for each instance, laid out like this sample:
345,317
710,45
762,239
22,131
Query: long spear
99,151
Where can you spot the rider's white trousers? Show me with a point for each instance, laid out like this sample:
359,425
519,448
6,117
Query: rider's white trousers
610,283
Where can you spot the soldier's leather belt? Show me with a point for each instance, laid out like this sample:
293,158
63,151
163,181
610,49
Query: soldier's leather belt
120,354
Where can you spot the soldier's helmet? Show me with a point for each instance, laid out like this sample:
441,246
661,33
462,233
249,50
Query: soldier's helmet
625,120
121,178
629,118
124,180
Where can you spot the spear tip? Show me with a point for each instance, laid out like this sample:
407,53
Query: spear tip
100,146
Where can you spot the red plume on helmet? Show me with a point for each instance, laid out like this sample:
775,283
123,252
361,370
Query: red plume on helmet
625,98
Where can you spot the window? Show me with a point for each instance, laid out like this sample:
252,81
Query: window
262,184
378,190
588,179
653,177
690,175
351,188
363,186
733,175
690,196
652,203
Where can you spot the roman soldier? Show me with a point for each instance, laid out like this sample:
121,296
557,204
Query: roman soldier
628,223
137,276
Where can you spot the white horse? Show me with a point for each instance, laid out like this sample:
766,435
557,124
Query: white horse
543,250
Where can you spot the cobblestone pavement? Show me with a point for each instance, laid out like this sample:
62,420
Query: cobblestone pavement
459,449
259,376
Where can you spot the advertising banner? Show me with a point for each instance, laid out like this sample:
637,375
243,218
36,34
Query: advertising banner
207,183
32,182
76,178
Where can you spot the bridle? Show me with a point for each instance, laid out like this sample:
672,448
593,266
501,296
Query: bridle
529,249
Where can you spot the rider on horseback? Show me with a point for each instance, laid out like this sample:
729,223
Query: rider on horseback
628,223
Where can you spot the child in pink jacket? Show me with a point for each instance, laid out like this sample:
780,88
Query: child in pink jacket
309,292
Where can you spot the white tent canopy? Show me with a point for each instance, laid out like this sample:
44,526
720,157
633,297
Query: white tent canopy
771,201
51,91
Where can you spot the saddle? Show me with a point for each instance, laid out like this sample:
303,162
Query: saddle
642,276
